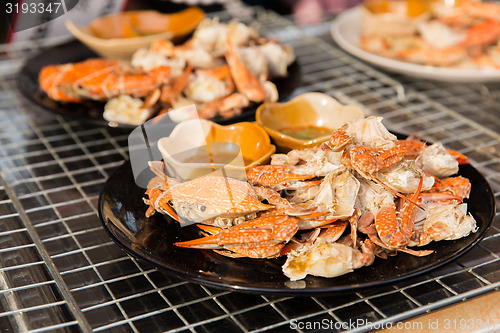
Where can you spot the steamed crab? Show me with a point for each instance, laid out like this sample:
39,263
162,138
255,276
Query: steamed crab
232,211
329,209
398,186
222,69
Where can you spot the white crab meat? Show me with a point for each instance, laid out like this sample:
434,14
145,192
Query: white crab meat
305,196
371,197
278,57
293,157
211,35
255,61
206,89
322,259
370,132
241,34
126,109
435,160
147,60
318,162
337,194
321,163
198,57
404,178
448,222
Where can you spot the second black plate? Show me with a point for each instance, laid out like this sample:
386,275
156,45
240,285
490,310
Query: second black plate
91,111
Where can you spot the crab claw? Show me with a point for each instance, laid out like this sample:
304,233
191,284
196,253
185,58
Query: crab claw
159,205
263,237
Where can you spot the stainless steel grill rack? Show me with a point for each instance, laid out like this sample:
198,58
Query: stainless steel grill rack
59,270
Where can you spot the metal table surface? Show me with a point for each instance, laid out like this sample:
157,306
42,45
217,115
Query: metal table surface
60,272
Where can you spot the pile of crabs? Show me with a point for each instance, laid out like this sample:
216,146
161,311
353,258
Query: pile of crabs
330,209
462,36
221,69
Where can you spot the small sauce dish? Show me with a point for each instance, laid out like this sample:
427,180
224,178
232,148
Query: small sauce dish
119,35
197,147
305,121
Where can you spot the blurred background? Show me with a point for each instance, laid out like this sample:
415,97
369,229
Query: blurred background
20,23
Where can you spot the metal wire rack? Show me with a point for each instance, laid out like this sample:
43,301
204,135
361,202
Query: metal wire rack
60,272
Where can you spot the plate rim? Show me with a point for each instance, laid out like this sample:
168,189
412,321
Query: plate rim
352,18
290,291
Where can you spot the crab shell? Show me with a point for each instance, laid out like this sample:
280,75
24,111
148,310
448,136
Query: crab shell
203,199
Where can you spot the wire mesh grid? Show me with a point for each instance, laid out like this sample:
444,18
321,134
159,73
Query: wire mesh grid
61,272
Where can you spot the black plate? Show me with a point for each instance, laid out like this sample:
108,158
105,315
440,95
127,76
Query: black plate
122,212
91,111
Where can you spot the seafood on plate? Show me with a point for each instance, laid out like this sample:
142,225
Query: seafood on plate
222,68
99,79
329,209
465,35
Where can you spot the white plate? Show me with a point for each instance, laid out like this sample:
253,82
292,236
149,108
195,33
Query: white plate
346,30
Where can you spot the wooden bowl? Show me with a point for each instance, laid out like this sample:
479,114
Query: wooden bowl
309,110
119,35
197,147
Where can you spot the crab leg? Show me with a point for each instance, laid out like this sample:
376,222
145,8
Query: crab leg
245,81
265,250
262,237
374,238
407,222
461,158
274,175
170,92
